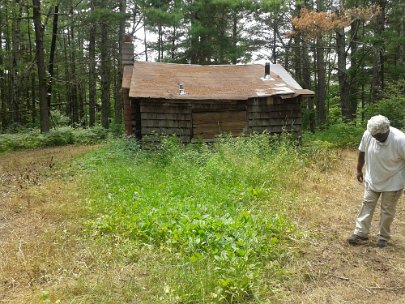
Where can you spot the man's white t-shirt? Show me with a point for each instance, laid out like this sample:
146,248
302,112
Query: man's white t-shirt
385,162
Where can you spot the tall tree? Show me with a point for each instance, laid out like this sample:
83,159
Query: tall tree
52,52
92,67
321,73
105,67
377,86
40,56
118,105
15,60
3,107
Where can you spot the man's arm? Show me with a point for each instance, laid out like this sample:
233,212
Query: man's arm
360,164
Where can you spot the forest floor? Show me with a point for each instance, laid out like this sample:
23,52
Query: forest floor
37,202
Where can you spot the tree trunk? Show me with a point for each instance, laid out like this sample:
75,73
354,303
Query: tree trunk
321,84
73,73
377,86
355,66
92,70
15,57
43,104
52,53
32,72
118,96
105,76
401,57
3,107
145,42
344,87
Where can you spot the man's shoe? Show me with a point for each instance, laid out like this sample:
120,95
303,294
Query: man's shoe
381,243
357,240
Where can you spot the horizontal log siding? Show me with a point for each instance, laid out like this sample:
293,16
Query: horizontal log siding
274,116
165,118
193,119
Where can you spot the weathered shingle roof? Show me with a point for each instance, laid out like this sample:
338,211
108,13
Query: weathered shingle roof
225,82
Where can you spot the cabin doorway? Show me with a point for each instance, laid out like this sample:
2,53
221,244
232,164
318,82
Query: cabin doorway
209,124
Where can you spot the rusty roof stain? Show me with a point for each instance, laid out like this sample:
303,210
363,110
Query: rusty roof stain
204,82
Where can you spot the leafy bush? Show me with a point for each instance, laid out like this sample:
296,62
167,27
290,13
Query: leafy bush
393,108
206,205
25,140
30,139
342,135
90,135
58,137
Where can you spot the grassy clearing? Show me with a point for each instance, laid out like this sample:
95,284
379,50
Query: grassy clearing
182,224
212,216
124,225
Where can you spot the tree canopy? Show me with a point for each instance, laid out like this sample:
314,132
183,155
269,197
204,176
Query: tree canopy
64,57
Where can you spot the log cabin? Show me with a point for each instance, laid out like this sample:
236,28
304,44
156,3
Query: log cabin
197,102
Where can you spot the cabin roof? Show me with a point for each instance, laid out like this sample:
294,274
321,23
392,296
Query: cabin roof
208,82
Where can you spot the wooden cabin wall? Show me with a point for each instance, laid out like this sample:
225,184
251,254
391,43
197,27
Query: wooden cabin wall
165,118
207,119
275,115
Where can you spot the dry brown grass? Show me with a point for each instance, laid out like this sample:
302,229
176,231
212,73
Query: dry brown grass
35,219
42,247
331,271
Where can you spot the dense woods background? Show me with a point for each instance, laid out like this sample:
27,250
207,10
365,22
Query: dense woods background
60,61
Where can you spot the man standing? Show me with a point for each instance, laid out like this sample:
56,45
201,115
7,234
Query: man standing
382,149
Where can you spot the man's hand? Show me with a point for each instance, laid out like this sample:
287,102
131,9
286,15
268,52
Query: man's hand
360,164
360,176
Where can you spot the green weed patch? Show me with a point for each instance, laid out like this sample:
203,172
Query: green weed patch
201,208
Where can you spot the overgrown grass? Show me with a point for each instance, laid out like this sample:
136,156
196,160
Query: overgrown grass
213,216
55,137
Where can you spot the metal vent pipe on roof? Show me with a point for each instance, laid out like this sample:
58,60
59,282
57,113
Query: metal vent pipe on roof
267,70
181,89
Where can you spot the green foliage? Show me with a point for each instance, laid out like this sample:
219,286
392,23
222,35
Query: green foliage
392,106
116,130
218,211
30,139
58,137
24,140
339,134
90,135
58,119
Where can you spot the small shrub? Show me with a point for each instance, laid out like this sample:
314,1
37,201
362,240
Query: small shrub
58,137
29,139
25,140
342,135
90,135
116,130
